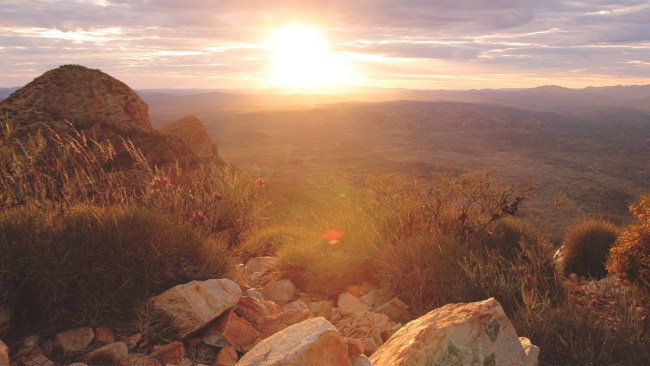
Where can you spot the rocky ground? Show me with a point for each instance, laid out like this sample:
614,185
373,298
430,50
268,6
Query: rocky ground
220,323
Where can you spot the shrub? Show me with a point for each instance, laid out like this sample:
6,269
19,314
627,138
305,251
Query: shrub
94,266
630,256
586,248
505,237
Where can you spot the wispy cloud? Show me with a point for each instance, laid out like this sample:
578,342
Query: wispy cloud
410,43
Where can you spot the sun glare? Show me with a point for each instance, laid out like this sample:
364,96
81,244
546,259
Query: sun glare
301,59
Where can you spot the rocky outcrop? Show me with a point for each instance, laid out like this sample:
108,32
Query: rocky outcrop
311,342
191,131
193,305
456,334
81,96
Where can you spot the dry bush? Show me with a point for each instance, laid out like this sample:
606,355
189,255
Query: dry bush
630,256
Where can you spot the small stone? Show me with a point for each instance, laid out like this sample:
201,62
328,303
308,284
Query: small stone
251,309
361,360
227,356
137,359
531,351
236,331
132,341
260,264
170,353
108,355
296,305
350,304
38,360
104,336
374,297
278,291
395,309
355,347
321,308
277,322
32,340
254,293
74,340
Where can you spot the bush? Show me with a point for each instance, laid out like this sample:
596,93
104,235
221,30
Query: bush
630,256
586,248
95,266
505,237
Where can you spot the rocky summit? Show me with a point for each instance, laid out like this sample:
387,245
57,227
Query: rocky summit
85,97
190,129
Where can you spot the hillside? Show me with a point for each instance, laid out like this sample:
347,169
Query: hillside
597,159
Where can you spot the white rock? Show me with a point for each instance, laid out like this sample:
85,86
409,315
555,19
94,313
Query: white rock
350,304
254,293
374,297
456,334
193,305
296,305
282,290
312,342
74,340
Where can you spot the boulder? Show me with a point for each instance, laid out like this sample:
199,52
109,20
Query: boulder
279,291
311,342
137,359
74,340
4,354
108,355
193,305
277,322
350,304
456,334
232,330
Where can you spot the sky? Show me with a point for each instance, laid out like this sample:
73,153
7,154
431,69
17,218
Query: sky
417,44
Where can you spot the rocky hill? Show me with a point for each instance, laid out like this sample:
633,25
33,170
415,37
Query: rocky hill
99,105
190,129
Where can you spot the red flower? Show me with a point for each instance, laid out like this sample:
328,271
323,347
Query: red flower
28,158
199,218
166,182
333,236
260,182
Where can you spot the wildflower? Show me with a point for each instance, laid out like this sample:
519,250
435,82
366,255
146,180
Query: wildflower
260,182
156,182
332,236
528,279
239,224
199,218
166,182
29,158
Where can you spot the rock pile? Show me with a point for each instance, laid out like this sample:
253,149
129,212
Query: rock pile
278,325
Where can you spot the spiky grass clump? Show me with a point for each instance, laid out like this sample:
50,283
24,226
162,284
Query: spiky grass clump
586,248
96,265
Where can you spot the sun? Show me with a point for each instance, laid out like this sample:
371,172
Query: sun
301,59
